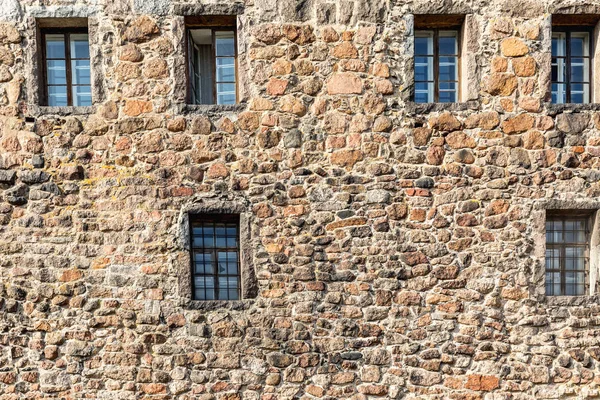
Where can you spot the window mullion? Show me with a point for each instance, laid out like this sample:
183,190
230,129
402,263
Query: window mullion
214,66
568,64
436,66
68,68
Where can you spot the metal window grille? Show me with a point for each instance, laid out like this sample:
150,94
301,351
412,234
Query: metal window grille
215,248
567,255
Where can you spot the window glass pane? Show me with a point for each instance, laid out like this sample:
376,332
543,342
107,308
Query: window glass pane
225,45
222,262
559,44
80,47
549,229
228,288
221,235
232,263
580,93
448,43
226,69
552,259
556,283
55,46
423,69
579,44
447,92
424,92
231,236
203,262
559,70
580,289
423,43
208,236
80,72
580,70
56,71
57,96
205,288
447,69
549,283
226,93
82,95
559,93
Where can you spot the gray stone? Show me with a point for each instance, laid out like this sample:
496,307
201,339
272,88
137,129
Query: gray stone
572,123
425,183
7,176
293,139
10,11
33,176
151,7
377,196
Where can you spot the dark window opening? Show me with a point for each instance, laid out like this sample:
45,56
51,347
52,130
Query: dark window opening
567,254
66,67
215,256
212,61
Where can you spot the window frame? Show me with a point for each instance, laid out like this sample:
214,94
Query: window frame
568,30
67,31
567,215
217,23
215,218
436,44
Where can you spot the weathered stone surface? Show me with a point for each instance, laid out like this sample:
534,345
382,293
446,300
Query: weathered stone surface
513,47
501,84
517,124
572,123
445,122
524,66
140,29
389,249
344,83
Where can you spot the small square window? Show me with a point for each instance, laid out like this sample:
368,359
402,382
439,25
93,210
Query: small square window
212,60
65,66
436,59
567,253
215,256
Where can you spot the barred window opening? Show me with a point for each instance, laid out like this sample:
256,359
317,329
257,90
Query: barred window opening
215,247
567,254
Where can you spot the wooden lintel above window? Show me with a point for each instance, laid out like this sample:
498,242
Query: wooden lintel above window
210,20
62,22
436,21
575,19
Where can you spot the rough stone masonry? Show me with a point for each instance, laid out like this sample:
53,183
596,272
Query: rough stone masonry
392,248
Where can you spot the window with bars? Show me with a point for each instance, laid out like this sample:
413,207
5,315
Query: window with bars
66,67
436,65
212,60
215,247
571,60
567,254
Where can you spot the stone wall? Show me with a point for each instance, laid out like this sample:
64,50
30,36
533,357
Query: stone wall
394,248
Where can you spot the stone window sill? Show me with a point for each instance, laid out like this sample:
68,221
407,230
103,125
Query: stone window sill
37,111
572,300
211,109
559,108
424,108
234,305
